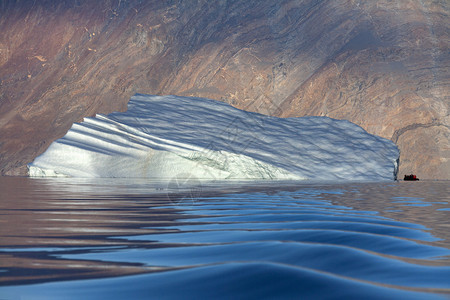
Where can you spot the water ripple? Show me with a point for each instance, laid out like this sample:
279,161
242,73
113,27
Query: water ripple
312,242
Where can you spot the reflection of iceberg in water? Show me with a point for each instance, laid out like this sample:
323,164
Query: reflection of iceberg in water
163,136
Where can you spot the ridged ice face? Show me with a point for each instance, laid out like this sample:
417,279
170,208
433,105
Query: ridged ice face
169,136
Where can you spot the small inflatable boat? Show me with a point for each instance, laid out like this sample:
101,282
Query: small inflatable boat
411,177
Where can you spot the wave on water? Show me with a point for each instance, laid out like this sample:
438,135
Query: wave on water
248,245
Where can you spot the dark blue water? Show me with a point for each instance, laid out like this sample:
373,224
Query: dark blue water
116,239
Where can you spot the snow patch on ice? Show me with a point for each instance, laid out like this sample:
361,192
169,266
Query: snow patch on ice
163,136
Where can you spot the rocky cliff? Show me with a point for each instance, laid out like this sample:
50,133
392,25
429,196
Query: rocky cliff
383,65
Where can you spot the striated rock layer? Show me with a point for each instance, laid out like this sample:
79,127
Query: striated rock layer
383,65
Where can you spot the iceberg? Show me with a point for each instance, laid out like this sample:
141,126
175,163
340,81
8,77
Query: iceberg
166,137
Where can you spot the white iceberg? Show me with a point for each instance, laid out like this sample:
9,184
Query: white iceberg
165,137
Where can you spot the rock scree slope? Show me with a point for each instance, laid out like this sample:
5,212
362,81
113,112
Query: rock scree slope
381,64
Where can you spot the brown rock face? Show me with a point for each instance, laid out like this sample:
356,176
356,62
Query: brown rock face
381,64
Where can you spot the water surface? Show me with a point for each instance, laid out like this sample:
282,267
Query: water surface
116,238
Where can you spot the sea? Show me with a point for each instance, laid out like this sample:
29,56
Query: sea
66,238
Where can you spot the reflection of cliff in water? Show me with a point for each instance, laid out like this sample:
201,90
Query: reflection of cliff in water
50,219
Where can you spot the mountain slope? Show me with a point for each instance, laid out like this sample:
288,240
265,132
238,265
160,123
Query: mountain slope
383,65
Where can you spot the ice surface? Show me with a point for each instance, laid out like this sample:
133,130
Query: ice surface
170,136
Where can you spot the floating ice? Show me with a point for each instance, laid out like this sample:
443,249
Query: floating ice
169,136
